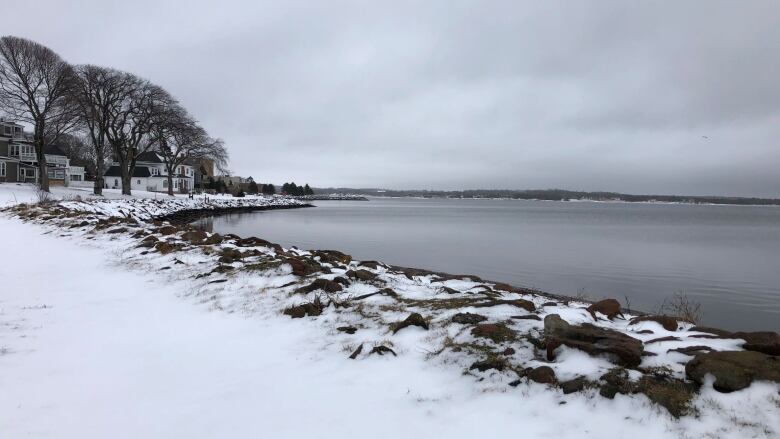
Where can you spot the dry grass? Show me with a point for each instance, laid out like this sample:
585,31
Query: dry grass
682,306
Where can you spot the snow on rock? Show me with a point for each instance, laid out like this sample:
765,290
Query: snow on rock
458,375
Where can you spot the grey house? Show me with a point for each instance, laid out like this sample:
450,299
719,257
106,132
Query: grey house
19,163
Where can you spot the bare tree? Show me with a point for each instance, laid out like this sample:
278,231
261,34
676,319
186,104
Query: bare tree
100,94
35,86
180,138
130,124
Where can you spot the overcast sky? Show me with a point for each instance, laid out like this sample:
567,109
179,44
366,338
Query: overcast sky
596,95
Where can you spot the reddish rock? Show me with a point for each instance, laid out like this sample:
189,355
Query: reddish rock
608,307
668,322
541,374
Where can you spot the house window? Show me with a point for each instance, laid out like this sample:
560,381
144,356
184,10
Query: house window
7,130
116,182
165,184
2,169
75,177
138,181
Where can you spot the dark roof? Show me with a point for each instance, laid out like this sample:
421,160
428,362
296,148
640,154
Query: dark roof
149,156
139,171
53,150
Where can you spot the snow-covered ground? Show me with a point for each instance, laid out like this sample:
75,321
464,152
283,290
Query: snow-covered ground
100,338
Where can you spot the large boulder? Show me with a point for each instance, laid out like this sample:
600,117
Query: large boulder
332,256
541,374
622,349
766,342
733,370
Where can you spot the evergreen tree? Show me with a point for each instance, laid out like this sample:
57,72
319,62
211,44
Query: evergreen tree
307,190
252,189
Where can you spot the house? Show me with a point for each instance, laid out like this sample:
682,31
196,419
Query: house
19,163
151,174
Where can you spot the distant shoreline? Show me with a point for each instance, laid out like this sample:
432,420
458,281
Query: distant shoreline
575,201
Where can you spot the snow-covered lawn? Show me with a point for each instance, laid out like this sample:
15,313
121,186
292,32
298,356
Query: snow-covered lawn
100,338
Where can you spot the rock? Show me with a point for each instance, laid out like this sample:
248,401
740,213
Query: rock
321,284
165,247
341,280
575,385
167,230
332,256
230,255
608,307
765,342
493,363
733,370
661,339
194,236
314,308
117,230
381,350
668,322
520,303
214,239
508,351
370,264
303,267
624,350
497,332
449,290
467,318
549,304
716,331
383,292
527,317
541,374
254,241
363,275
357,352
348,329
615,381
691,350
503,287
148,242
674,395
414,319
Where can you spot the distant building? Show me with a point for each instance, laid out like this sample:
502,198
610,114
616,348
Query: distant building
150,174
19,163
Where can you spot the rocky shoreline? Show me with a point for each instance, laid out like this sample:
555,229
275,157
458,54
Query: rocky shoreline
499,335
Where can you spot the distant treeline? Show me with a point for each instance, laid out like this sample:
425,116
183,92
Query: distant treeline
295,190
557,195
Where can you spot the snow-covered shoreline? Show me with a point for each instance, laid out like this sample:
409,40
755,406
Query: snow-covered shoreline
424,322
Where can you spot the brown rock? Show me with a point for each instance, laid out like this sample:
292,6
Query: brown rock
194,236
492,363
608,307
333,256
668,322
363,275
167,230
765,342
541,374
733,370
321,284
303,267
520,303
314,308
626,351
414,319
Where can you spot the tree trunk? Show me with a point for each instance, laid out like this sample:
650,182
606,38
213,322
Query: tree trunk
43,174
170,183
126,179
99,171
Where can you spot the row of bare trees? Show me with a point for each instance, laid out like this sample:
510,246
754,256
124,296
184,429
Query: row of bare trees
119,114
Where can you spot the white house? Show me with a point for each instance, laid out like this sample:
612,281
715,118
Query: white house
151,174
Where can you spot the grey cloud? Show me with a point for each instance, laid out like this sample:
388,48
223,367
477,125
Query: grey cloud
602,95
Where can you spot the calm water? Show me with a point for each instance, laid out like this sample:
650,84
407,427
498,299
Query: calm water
725,257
